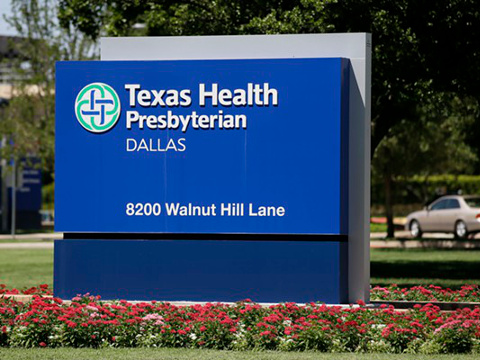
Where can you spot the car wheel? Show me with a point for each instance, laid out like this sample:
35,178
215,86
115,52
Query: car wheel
415,229
461,231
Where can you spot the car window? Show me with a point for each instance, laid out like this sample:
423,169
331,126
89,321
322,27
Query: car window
452,204
473,202
439,205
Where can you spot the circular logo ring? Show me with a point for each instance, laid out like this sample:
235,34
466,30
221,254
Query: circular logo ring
97,107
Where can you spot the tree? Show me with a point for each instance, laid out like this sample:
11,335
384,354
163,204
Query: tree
423,52
434,144
164,17
413,44
28,122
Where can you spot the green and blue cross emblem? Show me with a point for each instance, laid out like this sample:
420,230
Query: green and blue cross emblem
97,107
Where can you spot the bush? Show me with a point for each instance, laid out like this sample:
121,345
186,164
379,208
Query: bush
455,337
313,338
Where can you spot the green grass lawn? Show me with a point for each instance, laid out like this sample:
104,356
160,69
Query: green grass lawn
22,268
375,228
407,267
190,354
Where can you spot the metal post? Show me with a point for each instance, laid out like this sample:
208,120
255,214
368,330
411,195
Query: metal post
14,197
4,196
4,189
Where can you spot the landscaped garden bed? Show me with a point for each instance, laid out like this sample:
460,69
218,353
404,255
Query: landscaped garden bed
467,293
468,296
88,322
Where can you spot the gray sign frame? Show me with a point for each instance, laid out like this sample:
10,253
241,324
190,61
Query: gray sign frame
354,46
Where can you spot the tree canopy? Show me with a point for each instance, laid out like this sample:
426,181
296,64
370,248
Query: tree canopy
419,47
165,17
425,61
28,122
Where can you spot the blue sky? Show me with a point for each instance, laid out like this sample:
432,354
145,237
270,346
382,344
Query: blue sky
5,9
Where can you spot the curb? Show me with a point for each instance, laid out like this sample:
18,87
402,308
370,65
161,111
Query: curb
21,297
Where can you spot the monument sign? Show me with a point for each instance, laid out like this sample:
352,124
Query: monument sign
213,172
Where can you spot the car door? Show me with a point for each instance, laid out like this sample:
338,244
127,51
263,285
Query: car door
444,219
432,221
449,215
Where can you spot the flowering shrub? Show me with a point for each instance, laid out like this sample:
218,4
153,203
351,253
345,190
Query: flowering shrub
88,322
456,336
467,293
40,290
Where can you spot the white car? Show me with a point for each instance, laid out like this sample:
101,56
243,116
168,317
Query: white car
455,214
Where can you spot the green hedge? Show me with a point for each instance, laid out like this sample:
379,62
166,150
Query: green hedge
417,189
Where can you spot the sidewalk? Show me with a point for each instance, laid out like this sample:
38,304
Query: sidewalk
36,236
27,245
43,241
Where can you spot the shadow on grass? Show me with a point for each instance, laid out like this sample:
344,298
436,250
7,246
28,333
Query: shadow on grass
426,269
419,265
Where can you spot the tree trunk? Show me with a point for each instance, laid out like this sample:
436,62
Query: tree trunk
4,196
389,206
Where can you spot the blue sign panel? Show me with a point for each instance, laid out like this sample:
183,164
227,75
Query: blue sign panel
204,146
264,271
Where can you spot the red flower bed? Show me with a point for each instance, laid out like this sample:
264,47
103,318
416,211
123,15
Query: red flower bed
467,293
88,322
40,290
